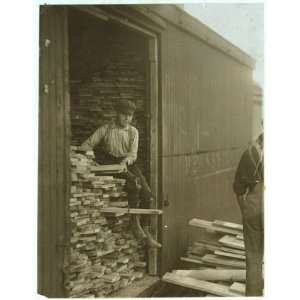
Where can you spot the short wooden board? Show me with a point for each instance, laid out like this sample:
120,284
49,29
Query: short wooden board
136,211
228,224
216,260
227,254
190,260
233,242
200,285
231,275
239,288
209,226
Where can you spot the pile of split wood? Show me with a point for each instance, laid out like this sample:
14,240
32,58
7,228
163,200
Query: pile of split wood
216,267
104,256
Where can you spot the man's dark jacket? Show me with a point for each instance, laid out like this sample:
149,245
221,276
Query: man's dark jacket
249,171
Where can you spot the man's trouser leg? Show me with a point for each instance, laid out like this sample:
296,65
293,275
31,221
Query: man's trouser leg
253,224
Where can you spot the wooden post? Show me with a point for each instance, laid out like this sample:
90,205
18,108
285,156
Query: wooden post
53,157
153,76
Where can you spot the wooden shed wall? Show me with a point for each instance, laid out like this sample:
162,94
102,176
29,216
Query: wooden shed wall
53,150
206,123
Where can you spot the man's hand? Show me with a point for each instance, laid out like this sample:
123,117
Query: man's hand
240,199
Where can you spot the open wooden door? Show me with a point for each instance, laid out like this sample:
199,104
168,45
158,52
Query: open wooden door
53,182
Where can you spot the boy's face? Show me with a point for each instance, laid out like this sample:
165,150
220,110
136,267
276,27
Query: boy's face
124,119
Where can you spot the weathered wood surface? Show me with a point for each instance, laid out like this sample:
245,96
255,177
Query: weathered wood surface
227,254
137,211
228,224
201,285
210,226
238,287
214,275
232,242
215,260
190,260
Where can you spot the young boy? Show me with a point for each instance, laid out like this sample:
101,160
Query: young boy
117,143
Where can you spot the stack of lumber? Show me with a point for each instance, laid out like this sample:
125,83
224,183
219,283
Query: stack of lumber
104,254
120,76
228,251
216,267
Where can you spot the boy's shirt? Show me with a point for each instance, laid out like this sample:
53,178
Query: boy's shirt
117,141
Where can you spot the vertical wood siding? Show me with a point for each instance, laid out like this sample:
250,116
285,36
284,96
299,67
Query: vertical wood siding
53,150
206,123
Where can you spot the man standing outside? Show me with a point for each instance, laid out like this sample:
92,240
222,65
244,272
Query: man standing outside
248,187
117,143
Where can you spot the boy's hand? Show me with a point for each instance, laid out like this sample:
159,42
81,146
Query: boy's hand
84,148
126,161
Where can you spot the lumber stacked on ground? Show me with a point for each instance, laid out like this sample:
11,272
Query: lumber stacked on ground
216,266
104,254
228,251
216,256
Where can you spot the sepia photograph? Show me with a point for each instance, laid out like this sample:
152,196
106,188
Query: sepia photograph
150,150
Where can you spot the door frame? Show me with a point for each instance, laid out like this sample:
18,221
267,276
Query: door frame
153,93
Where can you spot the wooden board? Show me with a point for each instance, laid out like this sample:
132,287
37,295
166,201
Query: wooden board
214,275
190,260
194,257
209,226
228,225
215,260
136,211
231,250
200,285
153,107
227,254
240,237
53,151
233,242
117,168
206,246
239,288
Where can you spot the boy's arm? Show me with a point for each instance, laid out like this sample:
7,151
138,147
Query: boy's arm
132,154
94,139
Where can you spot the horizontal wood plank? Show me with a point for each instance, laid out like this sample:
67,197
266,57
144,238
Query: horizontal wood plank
239,288
214,275
136,211
232,242
228,224
200,285
190,260
215,260
209,226
227,254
